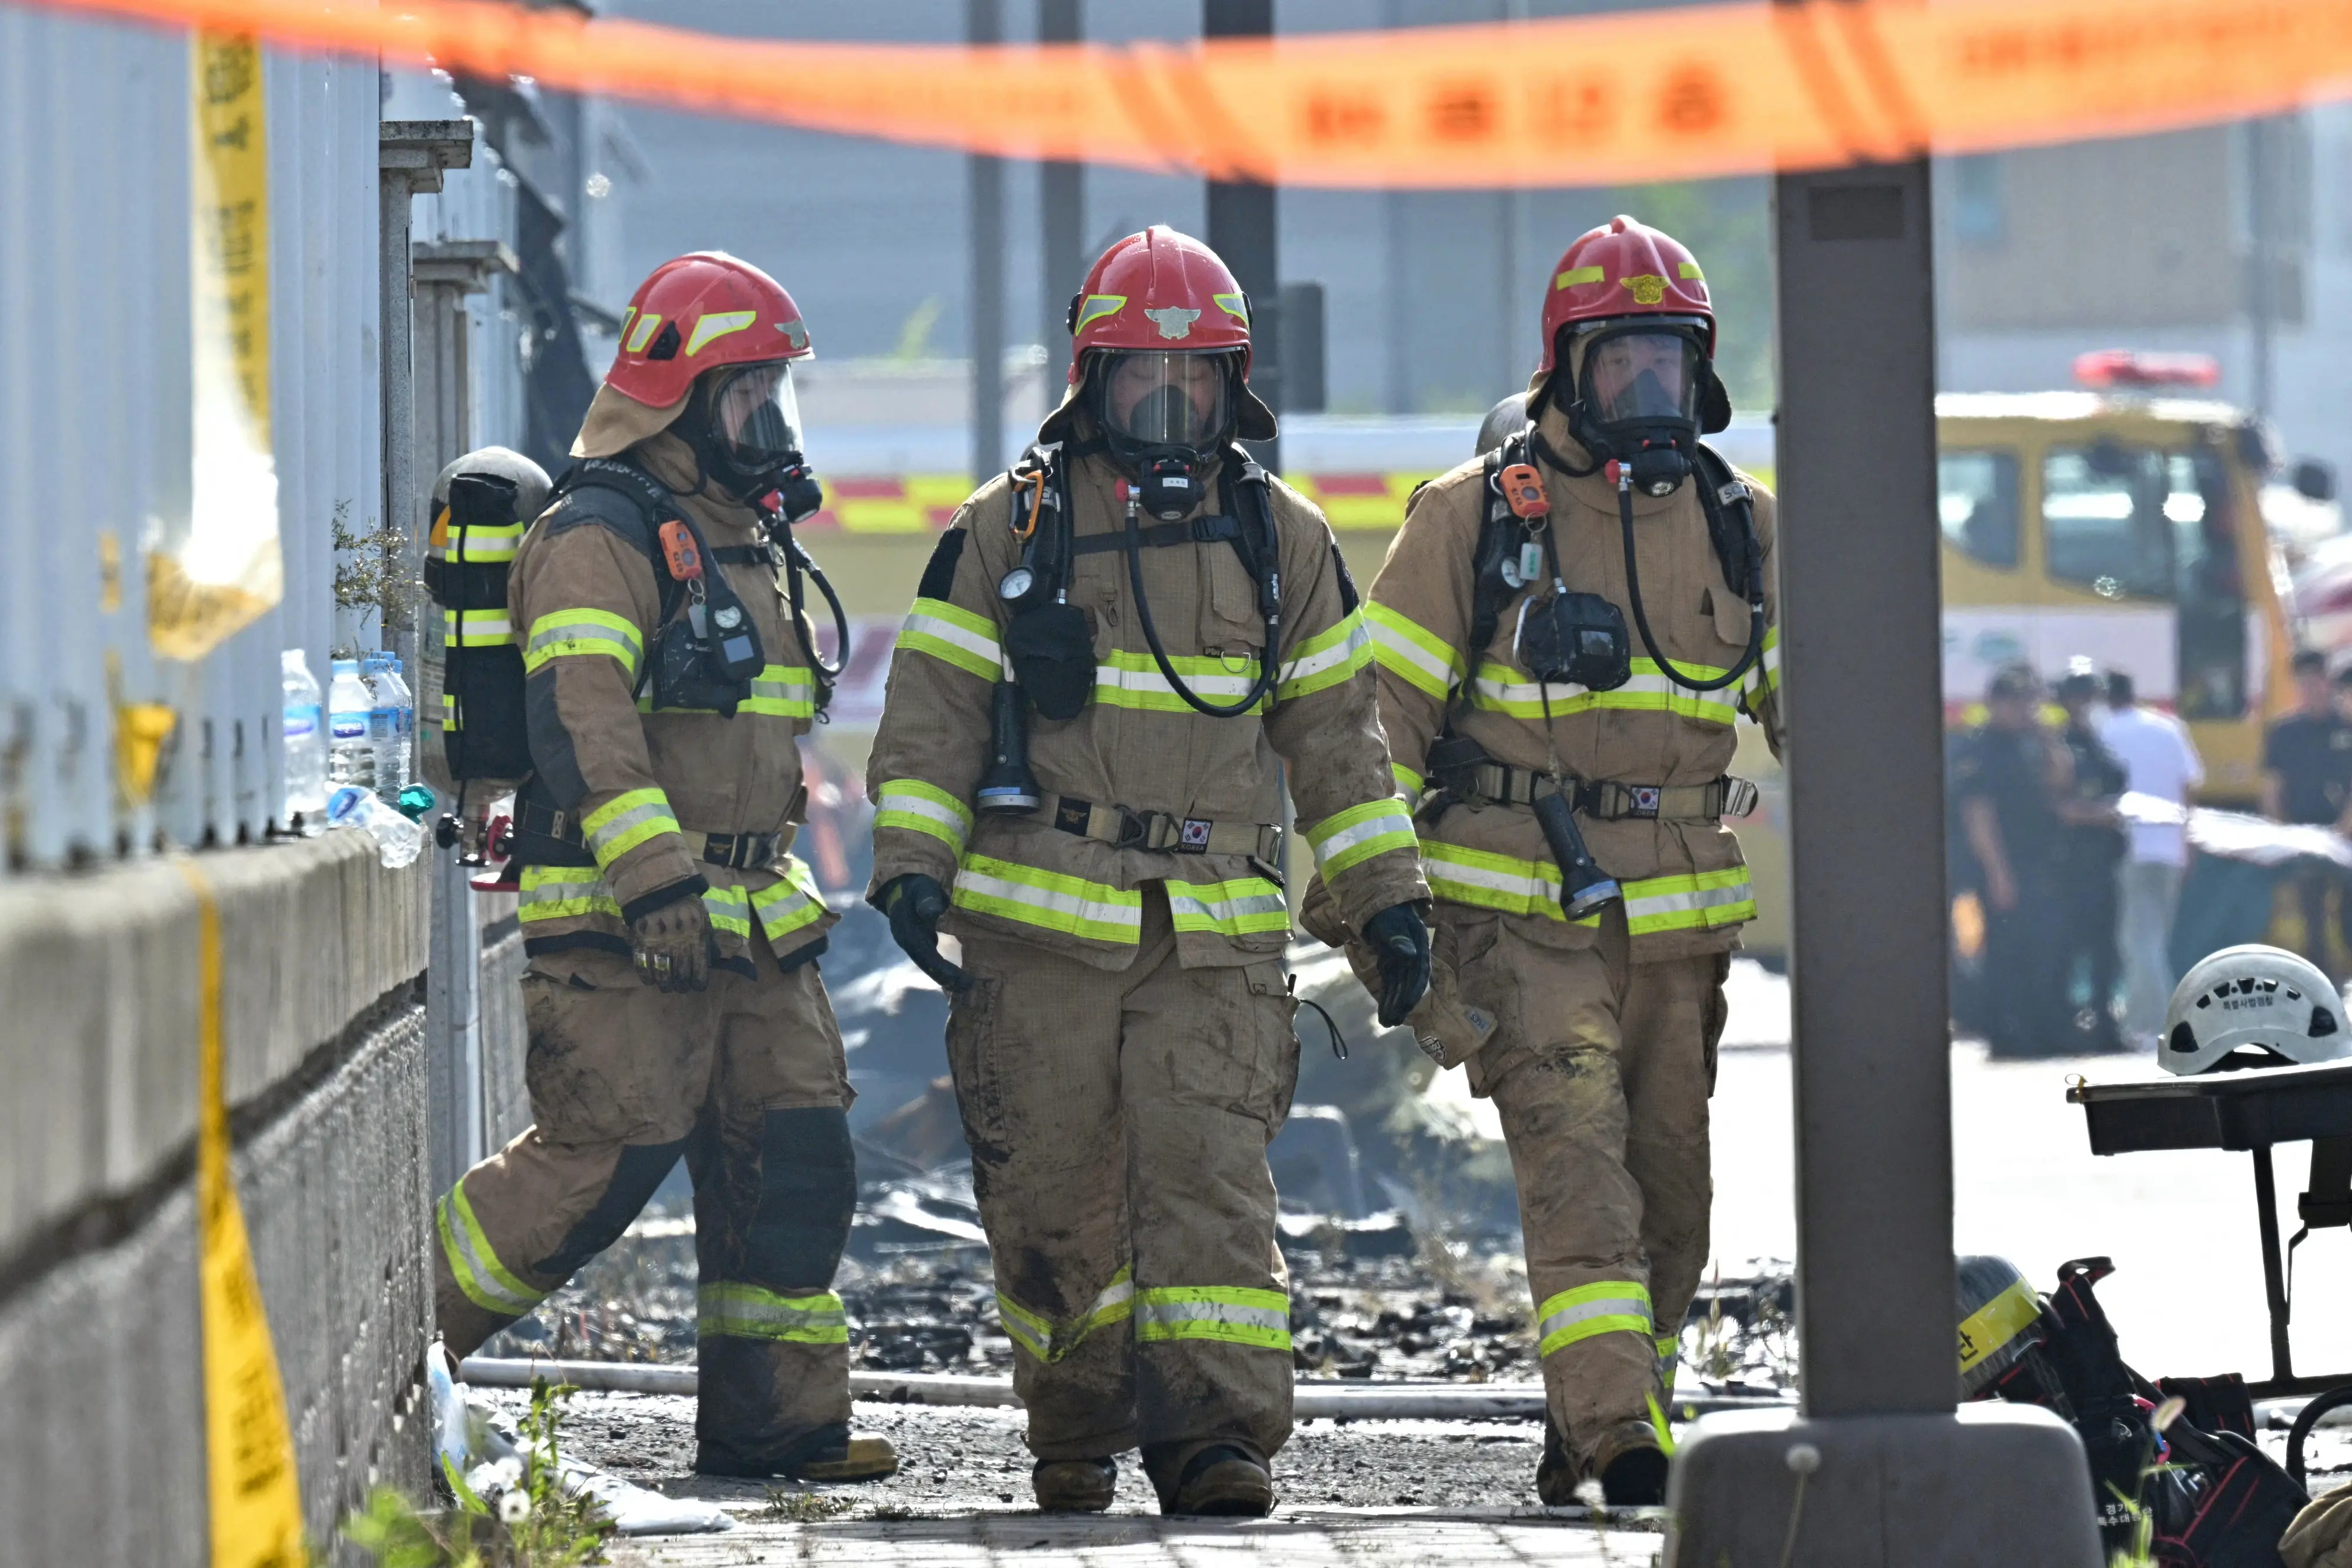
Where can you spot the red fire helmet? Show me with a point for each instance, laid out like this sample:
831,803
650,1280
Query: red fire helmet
1624,268
698,311
1159,290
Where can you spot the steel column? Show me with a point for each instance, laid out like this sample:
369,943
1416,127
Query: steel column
1062,214
1877,1467
1242,230
984,24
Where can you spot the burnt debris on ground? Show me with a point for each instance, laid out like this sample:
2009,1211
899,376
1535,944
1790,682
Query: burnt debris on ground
1399,1222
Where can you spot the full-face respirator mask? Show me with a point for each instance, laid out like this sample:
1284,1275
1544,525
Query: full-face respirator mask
1165,417
744,425
1643,392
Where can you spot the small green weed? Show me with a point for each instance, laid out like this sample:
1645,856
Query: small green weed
509,1514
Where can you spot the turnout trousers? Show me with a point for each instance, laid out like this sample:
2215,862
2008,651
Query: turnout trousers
1601,1070
1118,1125
747,1081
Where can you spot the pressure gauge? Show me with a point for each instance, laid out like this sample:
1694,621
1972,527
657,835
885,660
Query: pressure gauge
1016,585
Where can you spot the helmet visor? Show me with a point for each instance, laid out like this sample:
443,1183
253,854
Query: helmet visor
1643,377
754,417
1168,399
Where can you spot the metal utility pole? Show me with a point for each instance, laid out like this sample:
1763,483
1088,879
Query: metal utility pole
1062,211
443,275
984,24
1878,1467
411,157
2262,268
1242,230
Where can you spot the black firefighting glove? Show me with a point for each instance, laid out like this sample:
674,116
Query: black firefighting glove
914,904
673,945
1399,939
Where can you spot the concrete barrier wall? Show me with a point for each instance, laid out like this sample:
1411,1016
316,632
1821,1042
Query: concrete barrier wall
99,1341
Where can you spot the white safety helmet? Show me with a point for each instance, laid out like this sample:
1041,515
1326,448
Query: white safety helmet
2252,995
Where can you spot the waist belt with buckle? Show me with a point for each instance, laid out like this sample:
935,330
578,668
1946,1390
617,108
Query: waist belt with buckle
1123,827
544,836
1607,799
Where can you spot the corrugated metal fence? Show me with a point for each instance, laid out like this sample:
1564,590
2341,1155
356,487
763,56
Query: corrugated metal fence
94,421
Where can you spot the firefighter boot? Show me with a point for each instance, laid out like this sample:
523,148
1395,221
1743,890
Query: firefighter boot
860,1458
1631,1464
1074,1486
1222,1480
1555,1475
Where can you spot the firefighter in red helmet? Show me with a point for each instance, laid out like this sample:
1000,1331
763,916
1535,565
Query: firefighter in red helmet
672,994
1566,631
1112,650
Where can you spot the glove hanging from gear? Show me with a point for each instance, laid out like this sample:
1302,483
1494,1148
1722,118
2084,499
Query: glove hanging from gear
915,903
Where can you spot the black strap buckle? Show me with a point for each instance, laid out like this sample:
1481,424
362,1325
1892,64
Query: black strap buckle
738,852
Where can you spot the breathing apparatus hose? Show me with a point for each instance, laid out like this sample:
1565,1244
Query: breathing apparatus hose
1268,667
797,562
1755,575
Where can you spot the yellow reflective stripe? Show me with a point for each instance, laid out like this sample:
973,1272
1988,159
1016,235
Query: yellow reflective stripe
1350,837
567,633
1418,656
1236,908
1048,899
481,546
1233,305
477,628
782,691
730,909
790,902
1095,307
954,635
1997,1322
1410,782
1765,675
1230,1314
564,893
921,808
1133,680
624,821
1485,880
1608,1307
474,1264
1329,657
747,1311
1576,275
1689,269
1698,901
1050,1341
718,324
1502,689
644,333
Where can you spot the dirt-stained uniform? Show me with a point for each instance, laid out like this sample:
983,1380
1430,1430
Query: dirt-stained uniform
745,1080
1604,1056
1126,1052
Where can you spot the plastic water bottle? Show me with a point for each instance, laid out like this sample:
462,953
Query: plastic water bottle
304,731
384,725
398,841
351,759
406,700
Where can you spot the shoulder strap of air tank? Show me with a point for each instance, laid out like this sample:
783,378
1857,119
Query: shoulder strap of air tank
1497,538
1250,503
1730,513
654,505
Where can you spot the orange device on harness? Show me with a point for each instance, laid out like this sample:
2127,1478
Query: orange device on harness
1523,489
678,550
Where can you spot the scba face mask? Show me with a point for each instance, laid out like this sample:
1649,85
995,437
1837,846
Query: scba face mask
1642,391
749,425
1165,416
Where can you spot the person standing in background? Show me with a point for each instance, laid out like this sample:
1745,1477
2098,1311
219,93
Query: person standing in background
2007,778
2090,847
2306,779
2160,762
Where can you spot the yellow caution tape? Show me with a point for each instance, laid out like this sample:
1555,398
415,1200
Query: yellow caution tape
1607,99
256,1504
216,570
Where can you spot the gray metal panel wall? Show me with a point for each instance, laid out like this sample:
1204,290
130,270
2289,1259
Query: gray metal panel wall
95,428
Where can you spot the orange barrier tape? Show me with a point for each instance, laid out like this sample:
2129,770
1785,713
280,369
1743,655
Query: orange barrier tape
1600,99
